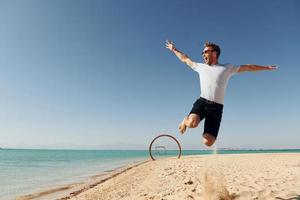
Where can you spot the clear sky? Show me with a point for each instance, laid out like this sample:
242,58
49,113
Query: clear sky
96,74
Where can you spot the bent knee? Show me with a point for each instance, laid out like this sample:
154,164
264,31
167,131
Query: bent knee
208,139
192,123
208,143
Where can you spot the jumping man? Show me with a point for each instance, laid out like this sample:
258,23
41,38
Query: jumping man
213,81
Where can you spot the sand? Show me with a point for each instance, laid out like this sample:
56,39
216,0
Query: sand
207,177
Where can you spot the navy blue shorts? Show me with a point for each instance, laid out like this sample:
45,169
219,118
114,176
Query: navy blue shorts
212,112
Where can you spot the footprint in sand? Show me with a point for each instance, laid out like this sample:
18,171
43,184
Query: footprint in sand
189,182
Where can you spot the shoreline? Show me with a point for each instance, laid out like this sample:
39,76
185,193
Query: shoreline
73,190
67,191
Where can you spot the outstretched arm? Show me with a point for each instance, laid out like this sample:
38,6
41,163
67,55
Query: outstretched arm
184,58
253,68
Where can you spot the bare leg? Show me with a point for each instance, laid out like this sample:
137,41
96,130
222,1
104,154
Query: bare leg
182,126
190,121
208,139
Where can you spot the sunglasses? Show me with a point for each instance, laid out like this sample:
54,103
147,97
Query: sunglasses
206,51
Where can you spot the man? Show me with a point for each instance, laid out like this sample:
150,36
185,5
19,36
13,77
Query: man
213,81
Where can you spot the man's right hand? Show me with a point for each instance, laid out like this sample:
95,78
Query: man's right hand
170,45
184,58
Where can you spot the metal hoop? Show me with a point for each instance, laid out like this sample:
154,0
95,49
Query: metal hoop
164,135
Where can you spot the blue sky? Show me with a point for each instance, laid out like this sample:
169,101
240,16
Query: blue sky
96,74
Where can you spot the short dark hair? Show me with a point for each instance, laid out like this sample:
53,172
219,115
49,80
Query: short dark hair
214,46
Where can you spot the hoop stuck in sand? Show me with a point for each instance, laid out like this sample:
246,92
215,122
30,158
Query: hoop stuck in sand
163,147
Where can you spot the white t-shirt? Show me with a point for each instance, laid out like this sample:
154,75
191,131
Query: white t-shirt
214,79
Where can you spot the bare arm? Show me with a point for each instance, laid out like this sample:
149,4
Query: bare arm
253,68
184,58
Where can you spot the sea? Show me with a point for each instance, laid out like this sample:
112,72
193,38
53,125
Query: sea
27,171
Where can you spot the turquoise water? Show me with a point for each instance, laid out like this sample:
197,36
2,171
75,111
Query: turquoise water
29,171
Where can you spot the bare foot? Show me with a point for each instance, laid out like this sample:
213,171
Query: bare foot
182,127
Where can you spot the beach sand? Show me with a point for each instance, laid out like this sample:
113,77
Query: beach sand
202,177
207,177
